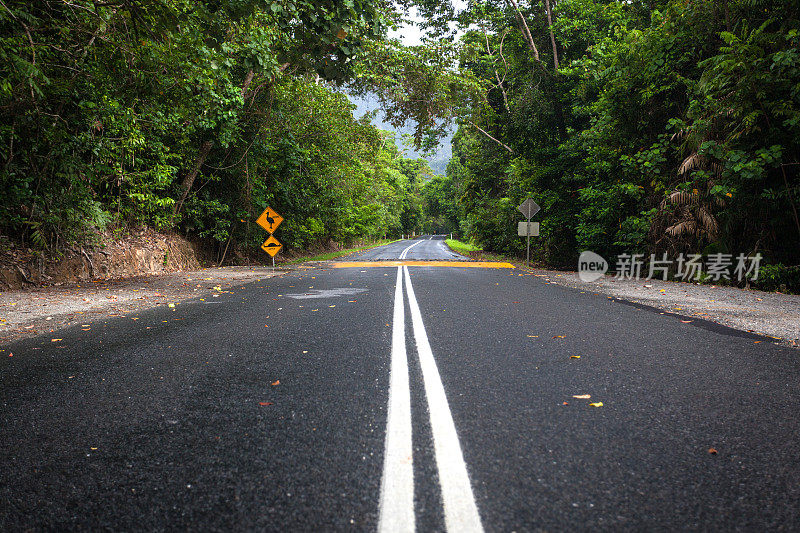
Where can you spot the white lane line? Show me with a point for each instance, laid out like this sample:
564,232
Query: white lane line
404,253
397,486
460,511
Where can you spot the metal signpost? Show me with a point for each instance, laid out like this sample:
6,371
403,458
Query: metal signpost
528,208
270,220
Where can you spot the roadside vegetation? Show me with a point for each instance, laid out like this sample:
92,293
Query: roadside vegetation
462,248
193,117
654,127
658,127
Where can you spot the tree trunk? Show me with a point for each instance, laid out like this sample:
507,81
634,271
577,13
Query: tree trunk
552,37
188,180
247,81
791,200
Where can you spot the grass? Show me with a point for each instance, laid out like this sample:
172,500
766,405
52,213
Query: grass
338,253
462,248
475,252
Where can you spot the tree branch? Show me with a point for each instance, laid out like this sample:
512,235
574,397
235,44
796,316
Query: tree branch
497,74
526,32
501,143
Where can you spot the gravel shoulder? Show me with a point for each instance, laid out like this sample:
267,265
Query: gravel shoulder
25,313
772,314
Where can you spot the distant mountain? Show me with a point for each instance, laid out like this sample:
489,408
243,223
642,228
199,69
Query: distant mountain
438,160
439,166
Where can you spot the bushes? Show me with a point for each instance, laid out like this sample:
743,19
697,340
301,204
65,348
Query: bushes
779,278
670,127
192,116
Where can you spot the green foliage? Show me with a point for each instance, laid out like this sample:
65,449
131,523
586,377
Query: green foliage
670,126
660,126
779,278
441,204
194,116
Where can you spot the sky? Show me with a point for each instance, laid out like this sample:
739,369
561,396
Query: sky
410,34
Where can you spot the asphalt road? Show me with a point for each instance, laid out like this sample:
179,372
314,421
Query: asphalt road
425,248
388,397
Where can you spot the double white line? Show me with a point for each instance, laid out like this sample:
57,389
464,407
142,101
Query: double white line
397,485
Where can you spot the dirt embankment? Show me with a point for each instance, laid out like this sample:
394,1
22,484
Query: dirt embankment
143,253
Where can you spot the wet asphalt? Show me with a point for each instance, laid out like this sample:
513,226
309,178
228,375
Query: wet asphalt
264,409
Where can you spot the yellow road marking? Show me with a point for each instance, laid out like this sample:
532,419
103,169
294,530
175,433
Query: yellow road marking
457,264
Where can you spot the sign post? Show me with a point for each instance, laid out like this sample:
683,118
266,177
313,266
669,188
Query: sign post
270,220
529,208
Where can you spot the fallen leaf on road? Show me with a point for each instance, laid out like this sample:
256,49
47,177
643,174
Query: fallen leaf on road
596,404
558,336
686,321
265,403
171,305
582,396
533,336
565,403
56,340
305,351
278,382
712,451
756,342
574,356
11,354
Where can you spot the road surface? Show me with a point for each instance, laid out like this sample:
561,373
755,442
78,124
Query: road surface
371,395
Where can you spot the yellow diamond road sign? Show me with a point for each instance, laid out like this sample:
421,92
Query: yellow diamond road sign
272,246
269,220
